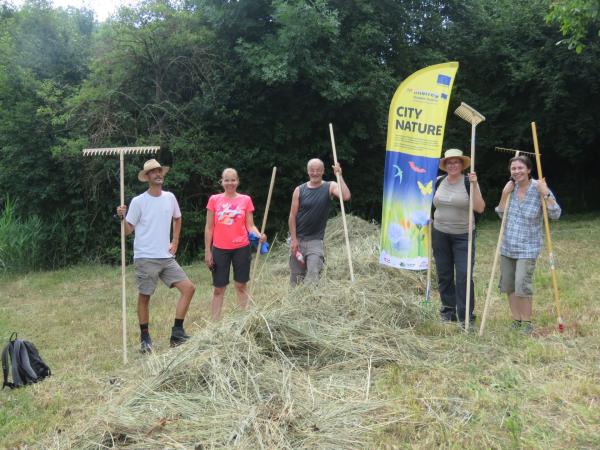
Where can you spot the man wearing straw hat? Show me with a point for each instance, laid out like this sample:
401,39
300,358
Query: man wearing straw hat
307,221
150,215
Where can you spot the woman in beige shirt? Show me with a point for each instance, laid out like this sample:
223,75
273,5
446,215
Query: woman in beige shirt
450,233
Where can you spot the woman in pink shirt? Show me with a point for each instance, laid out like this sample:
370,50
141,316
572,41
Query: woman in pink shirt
229,218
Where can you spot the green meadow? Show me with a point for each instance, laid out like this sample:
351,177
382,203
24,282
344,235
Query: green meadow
348,365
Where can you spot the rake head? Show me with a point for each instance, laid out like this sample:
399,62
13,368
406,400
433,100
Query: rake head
468,114
119,150
512,150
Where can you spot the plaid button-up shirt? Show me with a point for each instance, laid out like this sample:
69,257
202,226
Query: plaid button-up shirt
523,229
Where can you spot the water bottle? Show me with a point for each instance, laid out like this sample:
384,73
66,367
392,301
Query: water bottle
299,257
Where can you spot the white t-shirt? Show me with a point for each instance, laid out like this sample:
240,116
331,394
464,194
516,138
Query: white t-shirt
151,216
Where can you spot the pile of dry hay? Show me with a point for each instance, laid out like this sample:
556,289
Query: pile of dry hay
292,371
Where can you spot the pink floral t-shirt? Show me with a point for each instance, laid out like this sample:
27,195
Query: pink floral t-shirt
230,220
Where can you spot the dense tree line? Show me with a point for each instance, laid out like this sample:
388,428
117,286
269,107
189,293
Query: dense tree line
254,83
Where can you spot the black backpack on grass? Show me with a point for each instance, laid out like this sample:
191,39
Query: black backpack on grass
24,362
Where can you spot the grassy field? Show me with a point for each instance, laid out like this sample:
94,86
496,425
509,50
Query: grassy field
448,389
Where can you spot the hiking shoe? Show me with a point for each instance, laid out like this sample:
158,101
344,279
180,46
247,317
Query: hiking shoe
146,344
448,317
178,336
527,328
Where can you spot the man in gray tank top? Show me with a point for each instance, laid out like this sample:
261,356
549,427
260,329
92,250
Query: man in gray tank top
308,218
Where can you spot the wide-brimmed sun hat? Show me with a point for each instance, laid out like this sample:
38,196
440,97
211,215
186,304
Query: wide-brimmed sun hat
454,153
151,165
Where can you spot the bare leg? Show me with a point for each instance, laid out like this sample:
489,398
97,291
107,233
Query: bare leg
525,308
242,294
217,302
515,310
187,290
143,308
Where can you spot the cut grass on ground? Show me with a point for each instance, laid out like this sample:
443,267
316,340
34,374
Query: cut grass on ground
349,366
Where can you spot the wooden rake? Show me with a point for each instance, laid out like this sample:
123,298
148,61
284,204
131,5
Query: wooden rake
335,161
498,245
429,261
561,326
121,151
262,230
470,115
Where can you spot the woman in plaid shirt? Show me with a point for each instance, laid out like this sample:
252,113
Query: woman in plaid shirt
522,240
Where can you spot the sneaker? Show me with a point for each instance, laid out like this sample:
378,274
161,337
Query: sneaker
178,336
527,328
146,344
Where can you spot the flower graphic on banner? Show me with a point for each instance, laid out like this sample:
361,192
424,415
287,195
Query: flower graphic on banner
419,218
398,237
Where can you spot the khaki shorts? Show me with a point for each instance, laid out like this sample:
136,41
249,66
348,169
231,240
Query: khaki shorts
149,270
516,275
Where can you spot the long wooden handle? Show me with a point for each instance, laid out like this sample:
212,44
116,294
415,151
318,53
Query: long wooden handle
470,242
547,228
263,227
337,176
123,282
496,257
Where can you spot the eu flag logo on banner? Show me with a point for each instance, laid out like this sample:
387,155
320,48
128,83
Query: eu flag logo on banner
444,79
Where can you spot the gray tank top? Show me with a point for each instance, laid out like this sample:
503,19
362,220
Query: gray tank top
313,212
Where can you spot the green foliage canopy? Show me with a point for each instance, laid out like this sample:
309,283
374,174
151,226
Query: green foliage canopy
254,84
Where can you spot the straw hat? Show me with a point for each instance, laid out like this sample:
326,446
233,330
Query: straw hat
454,153
151,165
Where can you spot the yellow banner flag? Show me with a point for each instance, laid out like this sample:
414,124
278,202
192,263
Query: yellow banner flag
416,125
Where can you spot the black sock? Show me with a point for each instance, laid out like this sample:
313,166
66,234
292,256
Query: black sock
178,323
144,328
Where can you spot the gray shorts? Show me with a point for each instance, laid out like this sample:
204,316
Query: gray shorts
314,258
516,275
149,270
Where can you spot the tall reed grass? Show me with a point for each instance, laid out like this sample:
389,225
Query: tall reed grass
21,240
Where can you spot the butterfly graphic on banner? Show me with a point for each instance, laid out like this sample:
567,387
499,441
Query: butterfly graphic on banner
426,189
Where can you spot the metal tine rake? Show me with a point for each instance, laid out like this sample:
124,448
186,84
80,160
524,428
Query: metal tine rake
513,150
472,116
122,151
498,245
